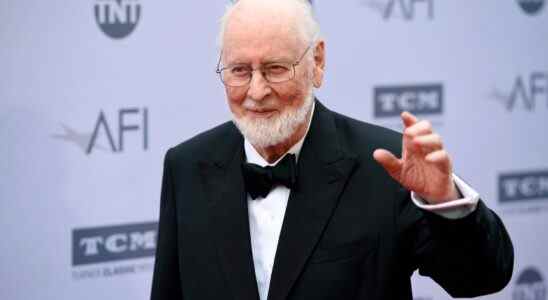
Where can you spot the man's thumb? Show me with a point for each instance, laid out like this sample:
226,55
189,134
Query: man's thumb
389,162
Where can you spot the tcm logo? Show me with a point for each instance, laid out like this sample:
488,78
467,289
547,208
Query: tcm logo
526,92
523,186
529,286
112,243
391,101
531,7
117,18
111,135
406,9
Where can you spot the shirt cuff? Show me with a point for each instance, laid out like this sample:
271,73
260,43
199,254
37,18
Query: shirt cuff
455,209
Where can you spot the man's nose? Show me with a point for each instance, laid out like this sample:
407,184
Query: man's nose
258,86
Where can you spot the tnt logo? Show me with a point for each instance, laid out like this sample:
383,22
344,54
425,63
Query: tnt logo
526,92
391,101
117,18
529,286
406,9
531,7
102,244
523,186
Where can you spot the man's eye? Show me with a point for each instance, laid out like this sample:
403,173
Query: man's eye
239,71
277,69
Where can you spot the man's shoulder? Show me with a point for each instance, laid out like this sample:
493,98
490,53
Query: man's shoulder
356,134
207,143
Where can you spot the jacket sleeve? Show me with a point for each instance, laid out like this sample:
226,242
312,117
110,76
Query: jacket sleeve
166,282
468,257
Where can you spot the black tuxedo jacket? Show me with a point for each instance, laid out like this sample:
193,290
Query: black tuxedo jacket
349,232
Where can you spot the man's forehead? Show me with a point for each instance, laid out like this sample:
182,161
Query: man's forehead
262,53
260,39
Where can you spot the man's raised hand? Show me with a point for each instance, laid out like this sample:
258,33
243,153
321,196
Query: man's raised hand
424,167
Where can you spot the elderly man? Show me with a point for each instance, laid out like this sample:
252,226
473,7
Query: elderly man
294,201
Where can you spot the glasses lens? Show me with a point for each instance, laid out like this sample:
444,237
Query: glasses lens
236,75
278,72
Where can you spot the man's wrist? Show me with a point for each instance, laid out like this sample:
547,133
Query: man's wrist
465,203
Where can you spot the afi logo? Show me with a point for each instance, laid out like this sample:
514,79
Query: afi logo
101,244
406,9
109,132
123,126
117,18
523,186
529,286
526,92
391,101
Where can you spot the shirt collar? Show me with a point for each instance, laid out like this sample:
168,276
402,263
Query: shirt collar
252,156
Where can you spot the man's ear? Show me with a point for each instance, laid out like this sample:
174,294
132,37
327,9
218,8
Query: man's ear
319,64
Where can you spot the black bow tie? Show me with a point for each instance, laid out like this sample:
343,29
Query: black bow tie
260,180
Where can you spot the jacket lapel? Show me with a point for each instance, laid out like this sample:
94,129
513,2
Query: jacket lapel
224,187
324,167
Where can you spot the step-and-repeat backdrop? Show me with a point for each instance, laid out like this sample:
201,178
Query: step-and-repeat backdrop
92,94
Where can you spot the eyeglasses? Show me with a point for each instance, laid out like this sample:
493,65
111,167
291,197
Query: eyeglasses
275,72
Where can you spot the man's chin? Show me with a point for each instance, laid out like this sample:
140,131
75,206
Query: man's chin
263,123
260,131
271,128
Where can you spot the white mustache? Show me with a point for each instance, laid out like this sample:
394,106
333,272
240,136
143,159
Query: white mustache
252,105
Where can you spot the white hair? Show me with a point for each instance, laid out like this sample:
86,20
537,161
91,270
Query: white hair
307,25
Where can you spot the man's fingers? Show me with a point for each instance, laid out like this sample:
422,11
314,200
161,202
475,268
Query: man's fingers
391,163
429,142
441,158
408,119
420,128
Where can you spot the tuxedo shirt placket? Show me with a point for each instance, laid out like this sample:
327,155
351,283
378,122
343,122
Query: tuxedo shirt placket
266,217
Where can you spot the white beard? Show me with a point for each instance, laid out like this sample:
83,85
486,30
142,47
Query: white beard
264,132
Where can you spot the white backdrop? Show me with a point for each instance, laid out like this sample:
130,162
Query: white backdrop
88,109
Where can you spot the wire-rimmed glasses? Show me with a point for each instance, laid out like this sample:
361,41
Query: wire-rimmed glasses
276,72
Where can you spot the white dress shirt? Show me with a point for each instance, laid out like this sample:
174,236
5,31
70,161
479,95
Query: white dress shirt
266,215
